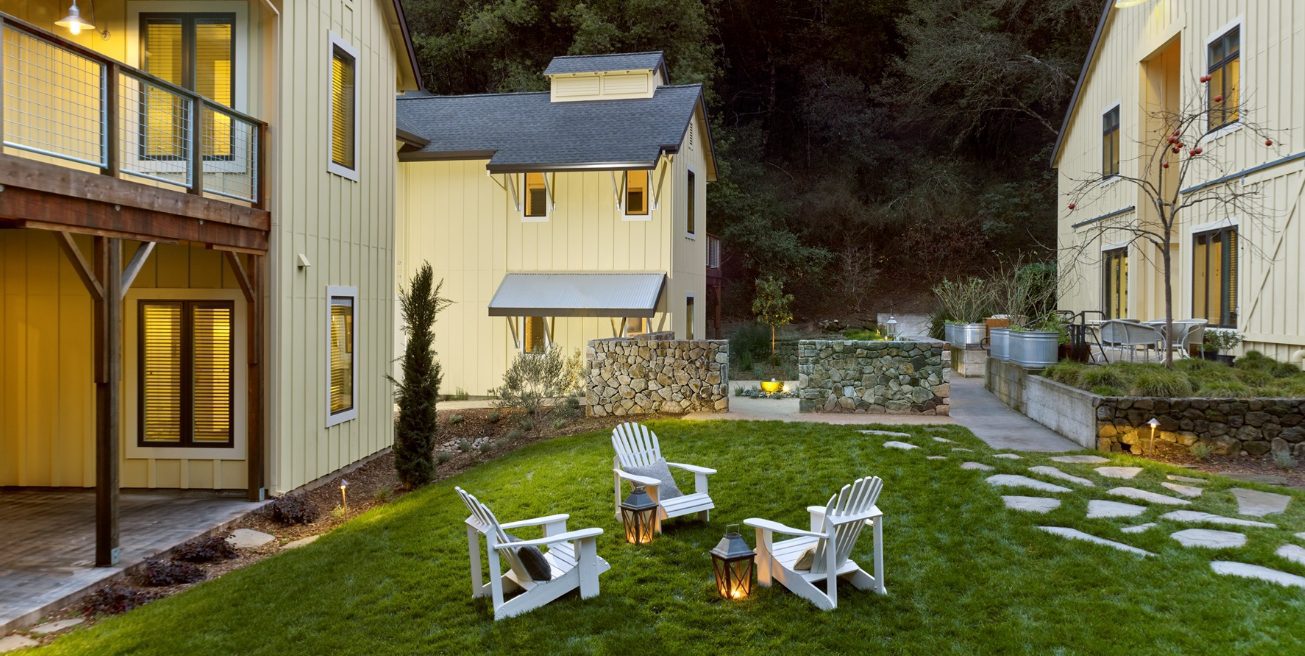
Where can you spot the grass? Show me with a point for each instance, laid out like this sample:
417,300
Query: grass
1253,375
964,575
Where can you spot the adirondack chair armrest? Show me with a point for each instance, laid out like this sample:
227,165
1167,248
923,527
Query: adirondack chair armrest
581,534
538,521
646,481
776,527
868,517
692,468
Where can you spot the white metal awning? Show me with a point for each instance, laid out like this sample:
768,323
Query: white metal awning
578,295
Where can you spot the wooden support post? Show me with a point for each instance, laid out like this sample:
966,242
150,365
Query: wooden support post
108,397
111,115
135,265
248,277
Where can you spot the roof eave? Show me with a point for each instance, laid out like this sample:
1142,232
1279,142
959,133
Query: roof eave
406,37
1082,78
541,167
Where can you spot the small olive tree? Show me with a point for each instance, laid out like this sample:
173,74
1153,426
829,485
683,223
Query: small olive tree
772,306
416,428
535,382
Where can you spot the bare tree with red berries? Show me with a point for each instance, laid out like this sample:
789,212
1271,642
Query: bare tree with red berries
1180,168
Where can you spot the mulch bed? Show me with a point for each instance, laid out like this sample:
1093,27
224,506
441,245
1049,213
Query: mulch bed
467,438
1259,468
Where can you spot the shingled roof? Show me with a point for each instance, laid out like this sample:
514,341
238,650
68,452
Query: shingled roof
520,132
630,61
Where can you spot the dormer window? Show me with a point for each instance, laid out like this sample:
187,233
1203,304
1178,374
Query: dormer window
636,193
536,197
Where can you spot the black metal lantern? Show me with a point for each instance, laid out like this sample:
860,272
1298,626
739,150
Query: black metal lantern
732,561
639,515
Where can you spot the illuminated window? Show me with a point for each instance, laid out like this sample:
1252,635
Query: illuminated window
1214,277
1115,282
688,318
536,193
535,338
1224,87
638,326
195,51
636,193
341,357
692,192
344,109
1110,143
185,373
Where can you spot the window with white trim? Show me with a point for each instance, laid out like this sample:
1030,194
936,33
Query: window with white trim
1223,89
636,196
344,109
688,317
342,354
186,381
692,195
1110,143
535,202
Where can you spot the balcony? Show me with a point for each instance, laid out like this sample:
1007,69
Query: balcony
79,124
713,257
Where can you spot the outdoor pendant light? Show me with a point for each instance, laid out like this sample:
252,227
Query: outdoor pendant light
74,21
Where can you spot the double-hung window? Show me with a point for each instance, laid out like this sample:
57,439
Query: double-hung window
1110,143
692,194
1223,90
1214,277
186,363
197,52
1114,281
342,359
536,197
636,193
344,109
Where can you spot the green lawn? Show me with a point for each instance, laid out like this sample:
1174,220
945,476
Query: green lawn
964,575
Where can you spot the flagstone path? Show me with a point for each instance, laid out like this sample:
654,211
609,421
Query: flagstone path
1047,470
1031,504
1075,534
1098,509
1206,538
1258,504
1119,472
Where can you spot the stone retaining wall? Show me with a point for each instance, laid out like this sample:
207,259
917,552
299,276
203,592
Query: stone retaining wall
1241,426
634,376
873,377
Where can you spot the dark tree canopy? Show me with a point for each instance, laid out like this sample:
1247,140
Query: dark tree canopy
894,142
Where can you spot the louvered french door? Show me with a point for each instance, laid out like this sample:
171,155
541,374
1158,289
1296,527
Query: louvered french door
186,370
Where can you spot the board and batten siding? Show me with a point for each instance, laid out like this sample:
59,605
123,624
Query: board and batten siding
1272,315
460,220
344,228
47,390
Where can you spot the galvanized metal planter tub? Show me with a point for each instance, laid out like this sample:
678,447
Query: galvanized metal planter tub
1035,349
999,343
963,334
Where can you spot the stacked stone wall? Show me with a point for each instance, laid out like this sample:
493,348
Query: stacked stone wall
880,377
635,376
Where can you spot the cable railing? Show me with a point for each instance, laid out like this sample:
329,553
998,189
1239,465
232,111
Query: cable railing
66,104
713,252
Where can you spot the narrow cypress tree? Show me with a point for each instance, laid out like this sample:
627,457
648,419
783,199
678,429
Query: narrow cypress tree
416,428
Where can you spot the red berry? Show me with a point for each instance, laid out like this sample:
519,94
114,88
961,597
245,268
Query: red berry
1205,78
1218,99
1072,206
1177,134
1196,151
1175,149
1164,165
1268,142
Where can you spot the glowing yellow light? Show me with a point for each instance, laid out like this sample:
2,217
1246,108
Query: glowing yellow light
1125,4
74,21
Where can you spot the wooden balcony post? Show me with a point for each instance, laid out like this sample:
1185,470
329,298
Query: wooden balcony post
111,113
196,146
108,396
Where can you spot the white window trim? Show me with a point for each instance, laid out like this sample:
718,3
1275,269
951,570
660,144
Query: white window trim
648,201
334,291
1113,178
548,200
336,41
1238,22
131,374
692,192
690,319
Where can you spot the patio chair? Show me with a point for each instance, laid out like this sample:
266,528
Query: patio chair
1129,335
639,460
823,554
1183,335
571,560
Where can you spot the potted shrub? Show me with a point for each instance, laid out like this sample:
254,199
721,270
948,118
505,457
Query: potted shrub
1036,346
1218,340
966,303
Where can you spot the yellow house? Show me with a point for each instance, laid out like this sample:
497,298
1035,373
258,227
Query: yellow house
196,242
1238,265
557,217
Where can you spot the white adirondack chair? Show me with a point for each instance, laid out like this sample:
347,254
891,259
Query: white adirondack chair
636,446
834,530
573,556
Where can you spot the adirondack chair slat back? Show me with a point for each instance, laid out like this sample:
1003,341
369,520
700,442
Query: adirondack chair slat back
858,497
635,445
489,524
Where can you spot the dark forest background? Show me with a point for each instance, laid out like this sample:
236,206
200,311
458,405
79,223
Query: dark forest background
867,148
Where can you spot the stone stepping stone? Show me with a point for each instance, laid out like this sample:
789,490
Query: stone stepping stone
15,642
893,444
1209,539
1015,480
1258,504
1098,509
1185,490
885,433
1248,571
1292,552
1119,472
1140,528
935,457
1081,460
1007,456
56,626
1075,534
944,440
1187,479
1032,504
1197,517
960,448
1047,470
1149,497
976,466
1301,535
301,542
247,538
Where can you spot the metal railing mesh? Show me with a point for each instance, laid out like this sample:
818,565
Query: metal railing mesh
53,100
153,131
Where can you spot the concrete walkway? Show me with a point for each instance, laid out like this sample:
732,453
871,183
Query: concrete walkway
1002,428
972,407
